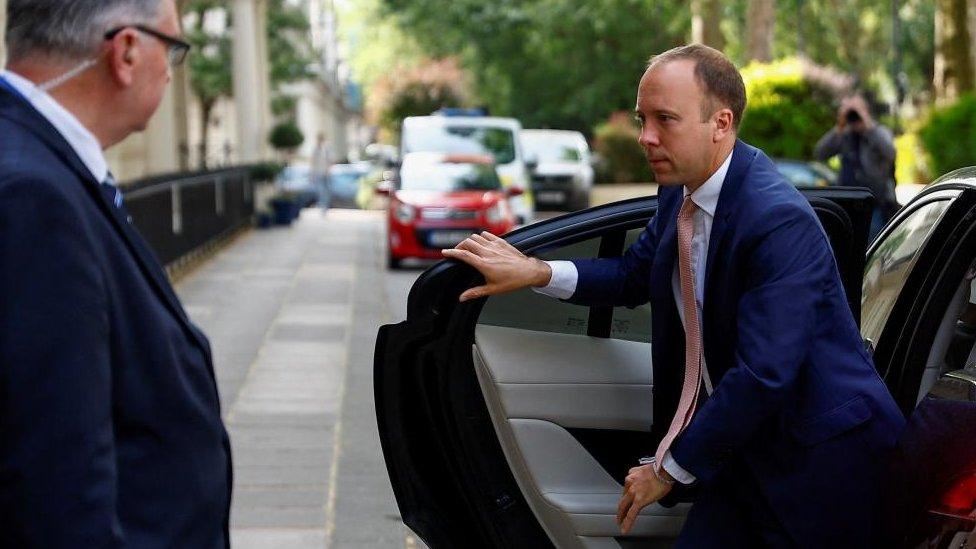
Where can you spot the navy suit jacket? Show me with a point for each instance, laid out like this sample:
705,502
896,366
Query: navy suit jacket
796,396
110,427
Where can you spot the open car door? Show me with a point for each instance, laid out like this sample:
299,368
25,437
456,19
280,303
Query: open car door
512,421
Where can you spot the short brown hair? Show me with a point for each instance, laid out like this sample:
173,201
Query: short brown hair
717,76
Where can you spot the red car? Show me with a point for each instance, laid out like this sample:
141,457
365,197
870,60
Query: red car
438,200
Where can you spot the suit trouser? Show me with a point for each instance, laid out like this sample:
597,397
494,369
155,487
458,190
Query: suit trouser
732,512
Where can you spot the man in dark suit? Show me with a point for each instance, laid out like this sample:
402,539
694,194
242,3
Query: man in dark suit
769,402
110,427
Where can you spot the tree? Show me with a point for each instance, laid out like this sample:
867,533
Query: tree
209,63
762,20
290,52
706,23
953,55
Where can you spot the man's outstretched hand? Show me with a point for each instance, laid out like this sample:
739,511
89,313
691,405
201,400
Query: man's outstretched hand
505,269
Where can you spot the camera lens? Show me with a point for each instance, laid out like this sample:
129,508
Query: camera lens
852,116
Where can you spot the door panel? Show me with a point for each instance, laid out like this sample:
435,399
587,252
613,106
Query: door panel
536,384
479,462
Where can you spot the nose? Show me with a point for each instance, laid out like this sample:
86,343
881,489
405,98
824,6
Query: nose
648,137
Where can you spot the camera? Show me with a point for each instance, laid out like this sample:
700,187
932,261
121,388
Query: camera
852,116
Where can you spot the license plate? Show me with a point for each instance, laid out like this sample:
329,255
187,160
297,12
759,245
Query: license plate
551,196
447,239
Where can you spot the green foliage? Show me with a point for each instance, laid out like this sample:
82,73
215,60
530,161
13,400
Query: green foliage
286,136
289,45
283,106
266,171
788,110
209,62
949,135
417,99
621,157
911,162
550,63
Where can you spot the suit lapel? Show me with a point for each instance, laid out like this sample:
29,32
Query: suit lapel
15,108
742,157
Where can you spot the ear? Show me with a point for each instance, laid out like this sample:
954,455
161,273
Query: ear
123,57
724,124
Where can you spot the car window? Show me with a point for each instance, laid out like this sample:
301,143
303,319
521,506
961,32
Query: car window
891,262
799,175
449,177
546,148
529,310
462,139
632,324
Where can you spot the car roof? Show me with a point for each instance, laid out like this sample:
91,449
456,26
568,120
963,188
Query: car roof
482,121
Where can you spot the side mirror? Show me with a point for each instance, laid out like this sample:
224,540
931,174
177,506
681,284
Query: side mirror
384,188
532,164
514,191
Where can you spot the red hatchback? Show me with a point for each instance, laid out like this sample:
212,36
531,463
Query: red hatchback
438,200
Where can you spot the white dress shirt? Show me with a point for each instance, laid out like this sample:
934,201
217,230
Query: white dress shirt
562,285
85,145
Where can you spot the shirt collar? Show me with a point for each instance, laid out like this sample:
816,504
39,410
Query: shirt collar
706,196
85,145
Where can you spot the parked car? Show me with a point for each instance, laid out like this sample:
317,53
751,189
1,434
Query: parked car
805,174
343,183
297,180
437,200
466,132
511,421
562,175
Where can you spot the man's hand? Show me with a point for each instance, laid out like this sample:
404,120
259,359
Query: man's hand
505,269
641,489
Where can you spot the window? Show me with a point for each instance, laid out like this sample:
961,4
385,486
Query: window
632,324
460,139
529,310
889,265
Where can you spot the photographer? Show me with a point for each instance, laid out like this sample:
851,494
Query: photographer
867,156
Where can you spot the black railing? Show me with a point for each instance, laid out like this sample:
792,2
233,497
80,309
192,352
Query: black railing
179,214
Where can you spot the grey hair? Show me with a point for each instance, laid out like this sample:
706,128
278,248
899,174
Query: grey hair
70,29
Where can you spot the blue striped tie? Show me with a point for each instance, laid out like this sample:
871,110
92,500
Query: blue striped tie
112,192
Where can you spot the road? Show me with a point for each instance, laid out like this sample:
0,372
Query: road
292,315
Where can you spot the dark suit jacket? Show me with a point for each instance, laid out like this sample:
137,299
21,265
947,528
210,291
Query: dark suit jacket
110,427
796,397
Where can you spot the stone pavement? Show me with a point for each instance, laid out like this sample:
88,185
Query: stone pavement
292,315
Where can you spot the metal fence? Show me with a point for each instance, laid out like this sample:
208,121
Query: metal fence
182,213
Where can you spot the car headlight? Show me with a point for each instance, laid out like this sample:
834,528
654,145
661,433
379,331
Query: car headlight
404,213
498,212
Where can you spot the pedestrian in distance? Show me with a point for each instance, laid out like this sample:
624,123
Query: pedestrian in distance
764,397
110,426
867,156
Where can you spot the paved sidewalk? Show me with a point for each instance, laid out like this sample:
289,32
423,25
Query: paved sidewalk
292,314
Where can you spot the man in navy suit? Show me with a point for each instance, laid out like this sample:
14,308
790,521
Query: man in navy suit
764,394
110,427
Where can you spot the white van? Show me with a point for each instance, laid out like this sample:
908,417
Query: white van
486,135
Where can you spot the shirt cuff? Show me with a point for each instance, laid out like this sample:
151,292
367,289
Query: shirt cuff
675,470
562,285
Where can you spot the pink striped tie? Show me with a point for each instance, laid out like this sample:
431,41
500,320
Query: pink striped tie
689,390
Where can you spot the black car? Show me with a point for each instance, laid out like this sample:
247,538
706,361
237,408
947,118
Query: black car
512,421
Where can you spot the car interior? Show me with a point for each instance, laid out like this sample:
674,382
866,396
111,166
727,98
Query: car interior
549,387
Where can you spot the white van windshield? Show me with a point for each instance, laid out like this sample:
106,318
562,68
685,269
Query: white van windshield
546,147
462,139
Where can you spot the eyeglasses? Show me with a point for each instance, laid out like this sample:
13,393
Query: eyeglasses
176,49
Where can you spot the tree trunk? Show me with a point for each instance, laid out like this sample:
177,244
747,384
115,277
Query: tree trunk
760,25
206,111
953,54
3,27
706,19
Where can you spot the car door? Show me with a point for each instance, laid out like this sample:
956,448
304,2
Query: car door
512,421
919,316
